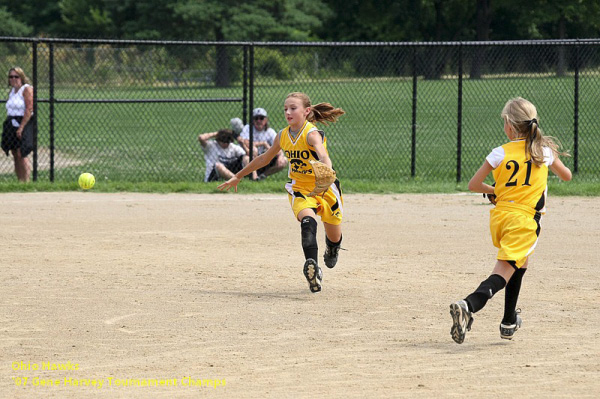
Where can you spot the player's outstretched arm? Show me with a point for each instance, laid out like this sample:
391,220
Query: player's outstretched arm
257,163
315,139
476,183
233,182
560,170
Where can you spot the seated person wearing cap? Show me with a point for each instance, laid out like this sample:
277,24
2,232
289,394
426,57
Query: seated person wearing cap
263,138
223,158
236,127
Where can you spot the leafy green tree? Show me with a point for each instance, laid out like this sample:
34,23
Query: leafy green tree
87,18
12,26
545,19
249,20
40,18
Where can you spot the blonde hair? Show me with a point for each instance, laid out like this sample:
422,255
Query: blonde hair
322,112
522,116
19,71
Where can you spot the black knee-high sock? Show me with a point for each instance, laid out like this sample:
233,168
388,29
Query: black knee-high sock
331,243
308,225
485,291
511,295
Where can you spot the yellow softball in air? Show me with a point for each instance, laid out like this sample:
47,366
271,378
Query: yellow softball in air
86,181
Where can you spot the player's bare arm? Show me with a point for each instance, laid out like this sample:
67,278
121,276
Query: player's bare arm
257,163
476,183
314,138
560,170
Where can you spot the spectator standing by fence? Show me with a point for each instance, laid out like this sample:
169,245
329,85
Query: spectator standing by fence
17,130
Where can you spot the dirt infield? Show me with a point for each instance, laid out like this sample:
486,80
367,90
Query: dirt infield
182,295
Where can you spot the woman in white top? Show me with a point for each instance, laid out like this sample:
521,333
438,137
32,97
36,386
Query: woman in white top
263,138
17,131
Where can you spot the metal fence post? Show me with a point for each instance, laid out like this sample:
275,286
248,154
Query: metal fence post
459,116
576,114
35,109
245,86
413,145
51,110
251,100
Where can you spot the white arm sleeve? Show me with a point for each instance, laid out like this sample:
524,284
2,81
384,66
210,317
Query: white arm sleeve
495,157
548,156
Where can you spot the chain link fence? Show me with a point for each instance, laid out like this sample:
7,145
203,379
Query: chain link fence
132,110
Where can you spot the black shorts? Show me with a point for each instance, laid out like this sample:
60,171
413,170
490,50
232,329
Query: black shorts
234,167
9,136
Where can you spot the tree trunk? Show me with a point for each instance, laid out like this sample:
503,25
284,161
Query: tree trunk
222,67
435,66
482,35
560,64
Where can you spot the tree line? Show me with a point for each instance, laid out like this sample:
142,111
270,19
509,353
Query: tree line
303,20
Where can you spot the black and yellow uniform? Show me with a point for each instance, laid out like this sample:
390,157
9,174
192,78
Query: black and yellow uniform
520,189
299,153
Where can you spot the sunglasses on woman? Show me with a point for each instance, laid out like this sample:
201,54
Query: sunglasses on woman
259,118
13,76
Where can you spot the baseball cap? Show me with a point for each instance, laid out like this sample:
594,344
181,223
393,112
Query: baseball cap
259,112
236,125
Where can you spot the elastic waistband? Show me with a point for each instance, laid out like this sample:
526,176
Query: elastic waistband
514,207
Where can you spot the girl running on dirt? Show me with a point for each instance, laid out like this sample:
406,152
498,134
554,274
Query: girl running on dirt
301,143
520,170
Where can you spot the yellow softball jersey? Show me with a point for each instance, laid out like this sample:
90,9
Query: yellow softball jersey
519,182
299,153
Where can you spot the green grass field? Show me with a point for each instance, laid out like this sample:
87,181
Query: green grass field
140,146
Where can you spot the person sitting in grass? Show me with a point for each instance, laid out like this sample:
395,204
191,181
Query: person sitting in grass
223,158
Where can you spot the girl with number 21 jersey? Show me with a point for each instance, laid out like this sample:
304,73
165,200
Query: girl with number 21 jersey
520,171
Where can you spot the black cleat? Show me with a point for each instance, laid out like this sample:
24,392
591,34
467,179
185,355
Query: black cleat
313,275
331,256
507,331
462,320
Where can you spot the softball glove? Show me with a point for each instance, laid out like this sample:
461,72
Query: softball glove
491,198
324,177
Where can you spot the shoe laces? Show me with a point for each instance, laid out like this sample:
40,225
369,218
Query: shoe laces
333,251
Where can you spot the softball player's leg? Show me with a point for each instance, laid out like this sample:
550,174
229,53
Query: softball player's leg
332,248
512,321
311,270
304,211
331,211
462,311
516,237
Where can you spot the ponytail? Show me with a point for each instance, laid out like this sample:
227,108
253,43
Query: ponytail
324,112
522,117
535,141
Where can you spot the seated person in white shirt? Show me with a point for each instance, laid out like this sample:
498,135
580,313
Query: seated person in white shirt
223,158
263,138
